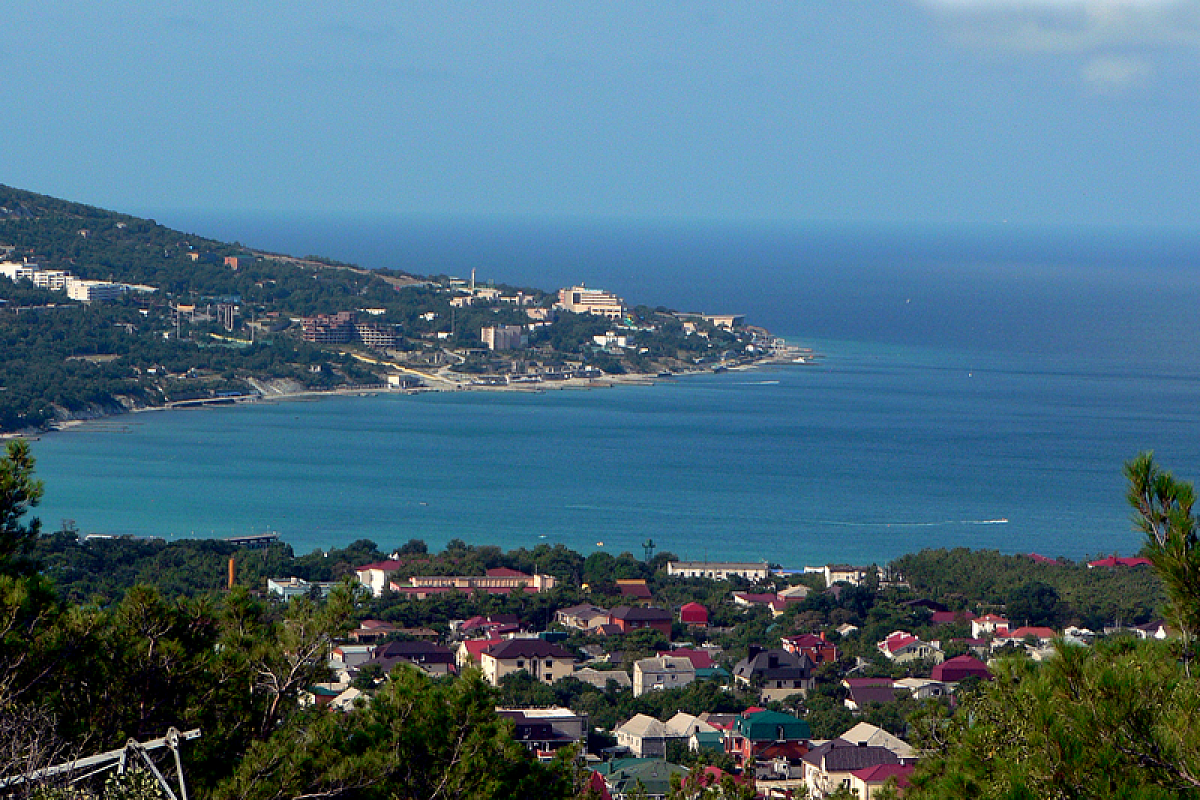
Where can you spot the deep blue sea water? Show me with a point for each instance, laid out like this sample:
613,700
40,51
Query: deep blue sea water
979,389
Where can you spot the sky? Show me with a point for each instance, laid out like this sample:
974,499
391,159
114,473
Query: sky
927,112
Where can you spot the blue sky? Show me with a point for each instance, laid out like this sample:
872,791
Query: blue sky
932,112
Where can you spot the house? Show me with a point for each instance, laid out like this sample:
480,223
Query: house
865,732
844,573
546,730
828,767
434,659
775,672
861,692
350,655
846,629
988,625
1119,561
372,630
490,625
541,659
867,783
700,658
1044,636
720,570
643,777
766,737
694,615
923,688
683,725
634,589
902,647
662,672
633,618
601,678
950,617
960,668
377,576
582,617
813,645
797,592
645,736
470,651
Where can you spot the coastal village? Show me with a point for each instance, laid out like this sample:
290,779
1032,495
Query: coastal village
210,323
739,681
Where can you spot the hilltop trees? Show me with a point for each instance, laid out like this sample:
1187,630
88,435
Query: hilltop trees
1114,720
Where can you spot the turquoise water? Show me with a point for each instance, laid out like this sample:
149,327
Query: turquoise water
877,451
980,388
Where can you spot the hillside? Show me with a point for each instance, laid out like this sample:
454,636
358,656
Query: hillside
175,317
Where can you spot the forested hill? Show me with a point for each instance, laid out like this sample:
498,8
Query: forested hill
195,319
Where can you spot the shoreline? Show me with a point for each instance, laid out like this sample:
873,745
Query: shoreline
443,385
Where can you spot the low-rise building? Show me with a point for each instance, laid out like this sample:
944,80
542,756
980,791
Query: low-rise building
634,618
288,588
902,647
775,672
544,731
583,617
94,291
720,570
600,678
639,777
662,672
828,767
544,661
645,736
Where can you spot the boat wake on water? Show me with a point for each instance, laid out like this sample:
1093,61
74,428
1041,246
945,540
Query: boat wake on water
844,524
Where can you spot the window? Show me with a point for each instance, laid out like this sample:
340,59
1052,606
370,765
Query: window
549,663
520,663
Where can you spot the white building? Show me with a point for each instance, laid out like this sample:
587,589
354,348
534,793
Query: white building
16,271
663,672
93,291
720,570
53,279
581,300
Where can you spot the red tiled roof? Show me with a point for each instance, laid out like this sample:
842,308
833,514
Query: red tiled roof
1118,561
899,641
881,772
1041,559
701,659
386,566
505,572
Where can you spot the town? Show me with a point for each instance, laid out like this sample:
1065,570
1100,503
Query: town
203,321
654,675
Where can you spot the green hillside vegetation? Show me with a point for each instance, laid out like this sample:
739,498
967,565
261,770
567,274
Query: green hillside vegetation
60,359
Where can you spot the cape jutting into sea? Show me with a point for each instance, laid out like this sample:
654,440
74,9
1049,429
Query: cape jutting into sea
977,389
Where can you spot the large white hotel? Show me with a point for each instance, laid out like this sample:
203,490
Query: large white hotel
581,300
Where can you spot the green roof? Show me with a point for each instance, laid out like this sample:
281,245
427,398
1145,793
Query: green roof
622,774
772,726
713,741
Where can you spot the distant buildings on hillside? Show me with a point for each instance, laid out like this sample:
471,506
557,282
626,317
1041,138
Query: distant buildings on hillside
58,280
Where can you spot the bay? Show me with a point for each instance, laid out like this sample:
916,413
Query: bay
875,452
979,388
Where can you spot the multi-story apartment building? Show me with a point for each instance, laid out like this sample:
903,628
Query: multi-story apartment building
581,300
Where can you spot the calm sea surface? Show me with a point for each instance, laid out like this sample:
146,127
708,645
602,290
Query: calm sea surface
974,391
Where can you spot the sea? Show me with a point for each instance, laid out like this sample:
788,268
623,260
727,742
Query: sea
975,387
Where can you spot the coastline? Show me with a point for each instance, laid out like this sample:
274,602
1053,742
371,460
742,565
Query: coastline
439,383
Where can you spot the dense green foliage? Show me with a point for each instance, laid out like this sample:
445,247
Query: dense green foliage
986,579
1112,720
